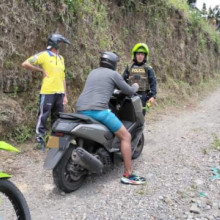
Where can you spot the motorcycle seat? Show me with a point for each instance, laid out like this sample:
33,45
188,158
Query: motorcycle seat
127,124
75,116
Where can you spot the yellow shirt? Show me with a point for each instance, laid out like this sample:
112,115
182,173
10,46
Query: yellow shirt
54,66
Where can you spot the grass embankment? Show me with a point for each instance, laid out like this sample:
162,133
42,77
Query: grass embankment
184,50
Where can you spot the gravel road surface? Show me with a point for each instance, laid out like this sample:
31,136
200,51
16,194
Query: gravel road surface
180,151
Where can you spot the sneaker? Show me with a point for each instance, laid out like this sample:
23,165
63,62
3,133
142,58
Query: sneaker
133,179
39,139
40,146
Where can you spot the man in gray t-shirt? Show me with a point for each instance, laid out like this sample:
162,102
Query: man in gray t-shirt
99,87
94,100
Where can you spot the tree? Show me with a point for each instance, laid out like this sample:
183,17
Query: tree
216,11
204,7
190,2
214,16
211,13
204,12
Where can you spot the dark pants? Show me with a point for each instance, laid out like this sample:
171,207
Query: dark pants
50,104
144,98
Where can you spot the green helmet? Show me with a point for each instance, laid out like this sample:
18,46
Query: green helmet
140,48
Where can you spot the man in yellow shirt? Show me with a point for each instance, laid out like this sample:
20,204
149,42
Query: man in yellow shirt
53,90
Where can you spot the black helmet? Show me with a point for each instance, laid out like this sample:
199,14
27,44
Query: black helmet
55,39
109,60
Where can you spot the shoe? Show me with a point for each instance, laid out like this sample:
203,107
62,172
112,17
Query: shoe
40,147
133,179
40,144
39,139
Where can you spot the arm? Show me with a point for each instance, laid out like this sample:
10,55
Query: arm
65,100
153,85
152,82
125,74
123,86
32,64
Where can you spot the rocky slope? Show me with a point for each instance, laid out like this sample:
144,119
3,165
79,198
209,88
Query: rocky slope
183,54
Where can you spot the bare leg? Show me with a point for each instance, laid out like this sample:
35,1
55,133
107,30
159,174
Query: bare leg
125,138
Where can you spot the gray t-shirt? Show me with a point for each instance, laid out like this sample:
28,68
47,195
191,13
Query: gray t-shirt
99,87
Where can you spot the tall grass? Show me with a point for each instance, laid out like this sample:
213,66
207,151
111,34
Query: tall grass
194,16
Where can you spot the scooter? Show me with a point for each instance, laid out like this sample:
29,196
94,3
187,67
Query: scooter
12,202
79,145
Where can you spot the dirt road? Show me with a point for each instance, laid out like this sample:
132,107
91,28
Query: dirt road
177,161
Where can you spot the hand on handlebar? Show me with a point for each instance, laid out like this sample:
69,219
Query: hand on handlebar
116,92
136,85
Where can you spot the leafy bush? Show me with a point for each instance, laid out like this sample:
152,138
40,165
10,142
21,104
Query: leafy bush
23,133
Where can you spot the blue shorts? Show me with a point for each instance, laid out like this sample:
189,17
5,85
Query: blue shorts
106,117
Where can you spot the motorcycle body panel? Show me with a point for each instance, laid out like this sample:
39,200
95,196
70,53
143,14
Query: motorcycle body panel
87,131
57,150
4,175
7,147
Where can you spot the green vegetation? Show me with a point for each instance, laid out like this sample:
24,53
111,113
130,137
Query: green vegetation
23,133
183,46
179,4
216,143
204,151
194,17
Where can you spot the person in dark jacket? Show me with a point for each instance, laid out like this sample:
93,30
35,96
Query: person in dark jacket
143,74
93,102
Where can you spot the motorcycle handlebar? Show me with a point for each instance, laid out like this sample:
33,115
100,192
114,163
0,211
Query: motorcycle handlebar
118,93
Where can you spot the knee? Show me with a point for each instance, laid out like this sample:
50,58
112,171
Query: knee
127,136
123,135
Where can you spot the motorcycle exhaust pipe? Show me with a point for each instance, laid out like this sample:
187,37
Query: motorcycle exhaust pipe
87,160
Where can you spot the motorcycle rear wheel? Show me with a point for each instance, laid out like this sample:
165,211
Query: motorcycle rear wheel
12,202
139,148
62,176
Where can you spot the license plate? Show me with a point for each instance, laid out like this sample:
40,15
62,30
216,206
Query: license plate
53,142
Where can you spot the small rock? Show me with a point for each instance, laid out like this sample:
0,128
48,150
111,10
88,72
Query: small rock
209,202
8,161
62,193
161,198
199,182
195,209
215,205
48,187
193,200
189,217
208,207
185,216
168,200
192,194
23,187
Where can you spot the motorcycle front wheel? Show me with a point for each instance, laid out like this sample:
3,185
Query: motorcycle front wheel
68,176
12,202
